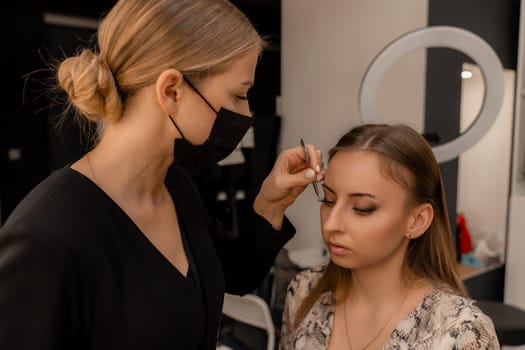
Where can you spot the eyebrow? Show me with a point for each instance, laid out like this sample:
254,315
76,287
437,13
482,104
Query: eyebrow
354,194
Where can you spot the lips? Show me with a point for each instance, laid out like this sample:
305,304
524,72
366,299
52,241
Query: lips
337,249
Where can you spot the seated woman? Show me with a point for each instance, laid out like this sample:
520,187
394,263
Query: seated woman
391,282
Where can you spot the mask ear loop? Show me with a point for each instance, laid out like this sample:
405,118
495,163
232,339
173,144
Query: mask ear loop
198,93
176,127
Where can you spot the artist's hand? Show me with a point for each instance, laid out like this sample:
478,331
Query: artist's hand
289,177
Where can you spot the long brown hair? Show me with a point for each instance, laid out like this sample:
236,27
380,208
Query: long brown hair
432,255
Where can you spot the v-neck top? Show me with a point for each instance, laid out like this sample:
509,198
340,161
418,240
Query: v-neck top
77,273
442,320
193,272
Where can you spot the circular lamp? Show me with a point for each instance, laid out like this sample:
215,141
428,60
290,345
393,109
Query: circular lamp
449,37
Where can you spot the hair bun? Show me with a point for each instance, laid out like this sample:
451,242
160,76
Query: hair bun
91,86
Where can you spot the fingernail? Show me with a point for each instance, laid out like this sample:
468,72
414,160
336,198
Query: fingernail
318,168
320,177
309,173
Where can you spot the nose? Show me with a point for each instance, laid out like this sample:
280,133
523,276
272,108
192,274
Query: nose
331,219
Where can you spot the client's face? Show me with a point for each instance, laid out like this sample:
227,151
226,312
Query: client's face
364,216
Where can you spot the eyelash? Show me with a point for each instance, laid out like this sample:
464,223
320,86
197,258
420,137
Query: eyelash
326,202
364,211
242,98
360,211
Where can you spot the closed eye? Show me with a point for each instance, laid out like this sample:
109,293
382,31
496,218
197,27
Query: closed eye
365,211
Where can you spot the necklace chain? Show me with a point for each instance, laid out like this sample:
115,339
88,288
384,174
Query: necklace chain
95,180
380,331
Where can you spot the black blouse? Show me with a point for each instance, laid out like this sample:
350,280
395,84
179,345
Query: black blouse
77,273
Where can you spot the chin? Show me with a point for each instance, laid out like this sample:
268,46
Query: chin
342,262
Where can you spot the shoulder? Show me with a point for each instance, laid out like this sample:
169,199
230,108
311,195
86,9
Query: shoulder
55,208
315,327
60,188
300,287
305,281
450,307
460,321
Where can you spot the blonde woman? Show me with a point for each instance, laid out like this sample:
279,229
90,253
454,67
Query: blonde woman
391,282
111,253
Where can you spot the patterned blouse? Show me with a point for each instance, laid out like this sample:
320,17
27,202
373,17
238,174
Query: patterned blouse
441,321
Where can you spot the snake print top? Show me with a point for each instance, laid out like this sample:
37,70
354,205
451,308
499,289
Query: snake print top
441,321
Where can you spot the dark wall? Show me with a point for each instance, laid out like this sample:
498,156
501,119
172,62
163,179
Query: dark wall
85,8
67,140
497,22
29,146
23,156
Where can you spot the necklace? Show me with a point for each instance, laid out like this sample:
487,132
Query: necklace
382,328
95,180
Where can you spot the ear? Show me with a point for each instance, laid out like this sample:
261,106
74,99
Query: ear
419,221
169,90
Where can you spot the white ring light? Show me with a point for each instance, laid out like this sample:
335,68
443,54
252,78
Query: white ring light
440,36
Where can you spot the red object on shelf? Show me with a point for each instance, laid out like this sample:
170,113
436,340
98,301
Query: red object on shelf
465,242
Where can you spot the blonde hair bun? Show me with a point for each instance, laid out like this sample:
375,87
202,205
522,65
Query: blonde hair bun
90,86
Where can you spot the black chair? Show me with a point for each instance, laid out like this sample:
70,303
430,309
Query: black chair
509,321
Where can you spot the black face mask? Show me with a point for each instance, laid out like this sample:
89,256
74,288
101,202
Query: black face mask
227,131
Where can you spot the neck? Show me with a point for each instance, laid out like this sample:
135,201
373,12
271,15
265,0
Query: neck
130,164
371,291
369,283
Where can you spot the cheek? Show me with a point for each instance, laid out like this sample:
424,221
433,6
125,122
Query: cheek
237,106
244,108
382,235
385,226
202,124
376,233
